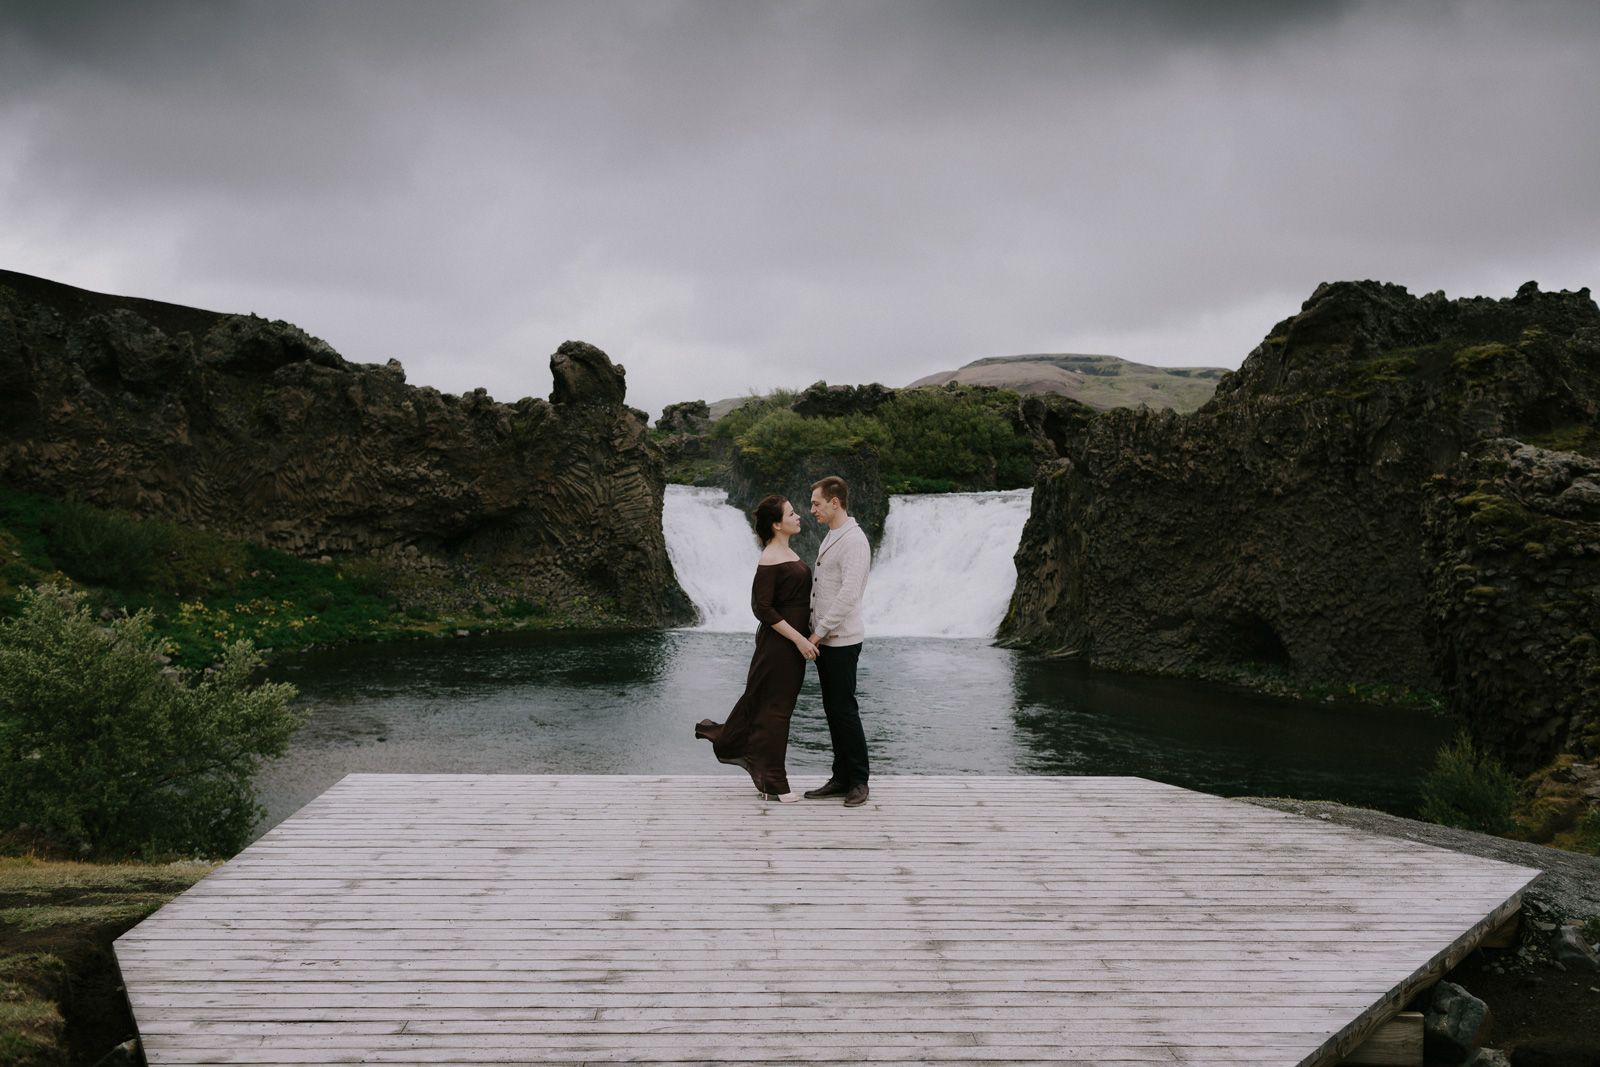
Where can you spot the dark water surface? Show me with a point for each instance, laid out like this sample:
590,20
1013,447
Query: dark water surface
626,704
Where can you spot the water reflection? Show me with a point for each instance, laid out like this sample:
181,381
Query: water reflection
625,704
1217,740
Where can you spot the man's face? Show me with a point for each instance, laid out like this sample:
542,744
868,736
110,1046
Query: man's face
823,510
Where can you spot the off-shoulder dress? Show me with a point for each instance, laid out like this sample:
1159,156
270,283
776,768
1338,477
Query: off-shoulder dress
756,735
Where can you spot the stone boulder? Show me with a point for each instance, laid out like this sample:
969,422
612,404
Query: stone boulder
1574,951
690,417
1455,1024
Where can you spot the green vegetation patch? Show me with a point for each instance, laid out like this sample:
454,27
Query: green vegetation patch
102,746
1579,437
1504,519
1475,360
59,911
37,918
779,438
934,439
1555,810
1469,789
204,591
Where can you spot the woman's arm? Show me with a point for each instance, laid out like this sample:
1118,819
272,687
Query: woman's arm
807,649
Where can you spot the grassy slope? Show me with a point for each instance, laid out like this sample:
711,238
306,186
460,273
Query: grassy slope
61,999
1102,382
207,591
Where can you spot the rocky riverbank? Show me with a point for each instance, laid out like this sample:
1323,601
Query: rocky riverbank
1317,523
253,429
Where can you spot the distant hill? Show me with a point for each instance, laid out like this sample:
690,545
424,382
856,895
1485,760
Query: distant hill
1100,381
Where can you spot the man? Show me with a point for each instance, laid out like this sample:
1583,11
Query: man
837,585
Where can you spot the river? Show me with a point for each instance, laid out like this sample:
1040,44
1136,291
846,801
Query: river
937,696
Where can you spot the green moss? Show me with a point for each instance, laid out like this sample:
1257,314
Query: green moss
1474,360
1389,368
1484,591
1579,437
1504,519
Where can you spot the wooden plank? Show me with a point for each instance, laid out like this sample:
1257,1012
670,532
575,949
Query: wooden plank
573,919
1397,1043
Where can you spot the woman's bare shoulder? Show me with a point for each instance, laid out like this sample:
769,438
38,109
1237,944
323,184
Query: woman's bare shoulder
772,556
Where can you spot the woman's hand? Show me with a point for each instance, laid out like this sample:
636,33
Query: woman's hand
807,648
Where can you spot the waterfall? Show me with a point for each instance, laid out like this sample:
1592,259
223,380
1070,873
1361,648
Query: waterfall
943,569
714,552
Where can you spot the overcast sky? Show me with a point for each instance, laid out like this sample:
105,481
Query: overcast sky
728,196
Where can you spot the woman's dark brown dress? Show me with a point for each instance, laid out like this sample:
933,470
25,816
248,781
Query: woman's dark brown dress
756,735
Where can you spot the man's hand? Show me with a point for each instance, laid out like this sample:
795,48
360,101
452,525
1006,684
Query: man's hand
815,640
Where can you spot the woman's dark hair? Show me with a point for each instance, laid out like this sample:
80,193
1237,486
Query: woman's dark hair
768,512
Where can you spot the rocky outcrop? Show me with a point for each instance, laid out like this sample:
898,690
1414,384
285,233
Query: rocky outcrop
1514,600
834,401
258,430
747,483
690,417
1284,527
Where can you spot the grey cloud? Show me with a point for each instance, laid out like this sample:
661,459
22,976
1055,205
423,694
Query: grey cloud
739,194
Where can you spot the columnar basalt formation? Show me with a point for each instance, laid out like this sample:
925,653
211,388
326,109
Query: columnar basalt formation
1296,524
256,429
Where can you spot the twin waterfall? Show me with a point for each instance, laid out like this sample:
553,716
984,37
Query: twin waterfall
943,570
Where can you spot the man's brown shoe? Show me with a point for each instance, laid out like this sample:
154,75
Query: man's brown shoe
857,796
832,788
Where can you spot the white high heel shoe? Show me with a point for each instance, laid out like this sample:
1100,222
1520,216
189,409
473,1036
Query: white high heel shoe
790,797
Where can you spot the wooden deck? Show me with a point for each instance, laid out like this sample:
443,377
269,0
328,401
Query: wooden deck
448,919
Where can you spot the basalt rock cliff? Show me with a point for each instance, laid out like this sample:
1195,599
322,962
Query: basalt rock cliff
1339,513
255,429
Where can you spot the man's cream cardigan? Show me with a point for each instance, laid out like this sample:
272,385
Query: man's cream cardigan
837,586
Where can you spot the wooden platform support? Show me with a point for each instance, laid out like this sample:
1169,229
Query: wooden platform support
455,919
1396,1043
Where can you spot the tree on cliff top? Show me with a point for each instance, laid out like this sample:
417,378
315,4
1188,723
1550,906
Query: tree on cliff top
99,746
948,436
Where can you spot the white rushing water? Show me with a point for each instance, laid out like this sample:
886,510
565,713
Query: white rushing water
943,570
714,552
944,567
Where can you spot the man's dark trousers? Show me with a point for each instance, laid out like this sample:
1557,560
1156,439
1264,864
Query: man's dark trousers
836,671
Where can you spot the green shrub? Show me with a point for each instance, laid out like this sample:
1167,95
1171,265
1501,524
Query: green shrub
97,745
894,482
103,548
953,435
780,437
522,609
737,422
1469,789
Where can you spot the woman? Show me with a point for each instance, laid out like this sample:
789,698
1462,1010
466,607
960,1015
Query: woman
756,735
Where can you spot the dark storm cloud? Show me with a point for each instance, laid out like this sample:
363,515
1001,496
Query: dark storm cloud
741,194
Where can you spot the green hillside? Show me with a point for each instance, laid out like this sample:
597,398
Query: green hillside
1100,381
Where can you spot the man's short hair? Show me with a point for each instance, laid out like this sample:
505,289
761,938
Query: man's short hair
833,488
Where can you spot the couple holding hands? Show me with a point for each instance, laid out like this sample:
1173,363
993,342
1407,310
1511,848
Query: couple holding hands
804,616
